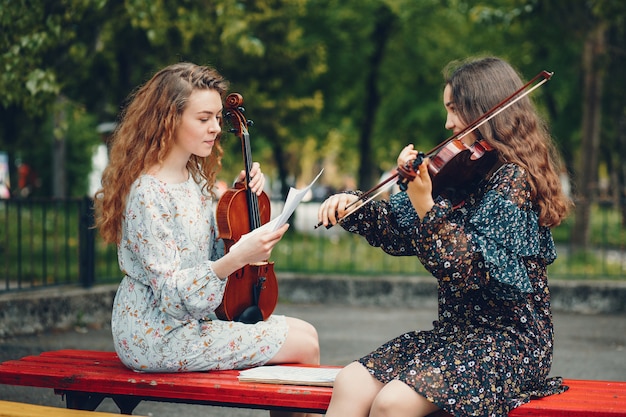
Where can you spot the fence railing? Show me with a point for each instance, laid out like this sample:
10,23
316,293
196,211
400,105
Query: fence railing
48,242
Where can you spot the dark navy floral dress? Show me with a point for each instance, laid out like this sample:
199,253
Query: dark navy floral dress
491,348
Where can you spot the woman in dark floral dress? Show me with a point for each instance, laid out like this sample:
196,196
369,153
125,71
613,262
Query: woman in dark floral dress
491,348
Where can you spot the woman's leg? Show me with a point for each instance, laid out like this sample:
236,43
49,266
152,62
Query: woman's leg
397,399
301,345
353,392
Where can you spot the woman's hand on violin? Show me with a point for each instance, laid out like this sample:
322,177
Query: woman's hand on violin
334,208
257,179
255,247
408,154
258,246
420,190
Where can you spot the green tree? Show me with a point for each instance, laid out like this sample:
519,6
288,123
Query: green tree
44,48
595,31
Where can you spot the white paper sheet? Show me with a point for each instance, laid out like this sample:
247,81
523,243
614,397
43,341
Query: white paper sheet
291,375
294,197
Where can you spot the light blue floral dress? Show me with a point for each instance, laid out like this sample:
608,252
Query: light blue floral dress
163,315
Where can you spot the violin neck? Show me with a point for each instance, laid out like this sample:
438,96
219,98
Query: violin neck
254,213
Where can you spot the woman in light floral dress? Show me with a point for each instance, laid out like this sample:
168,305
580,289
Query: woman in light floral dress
156,203
491,348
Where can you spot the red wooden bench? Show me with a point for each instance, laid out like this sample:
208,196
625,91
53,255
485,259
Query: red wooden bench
85,378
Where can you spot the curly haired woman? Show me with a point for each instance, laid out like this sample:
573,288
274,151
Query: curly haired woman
156,204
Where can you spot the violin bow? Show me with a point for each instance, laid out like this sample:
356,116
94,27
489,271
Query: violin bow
522,92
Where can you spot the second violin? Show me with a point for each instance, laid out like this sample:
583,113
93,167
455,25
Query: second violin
251,293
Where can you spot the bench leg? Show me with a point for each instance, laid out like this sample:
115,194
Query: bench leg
89,401
82,400
126,403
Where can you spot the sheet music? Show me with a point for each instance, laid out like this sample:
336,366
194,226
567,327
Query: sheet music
291,375
294,197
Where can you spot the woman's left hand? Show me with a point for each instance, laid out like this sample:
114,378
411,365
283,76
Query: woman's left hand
420,190
257,179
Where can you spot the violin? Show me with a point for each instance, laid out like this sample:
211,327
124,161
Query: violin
454,166
251,293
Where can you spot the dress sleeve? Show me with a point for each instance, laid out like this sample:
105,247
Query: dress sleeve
489,245
388,224
507,234
152,248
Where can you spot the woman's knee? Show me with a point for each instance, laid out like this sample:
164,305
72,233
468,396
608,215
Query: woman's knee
398,399
351,375
308,340
301,345
353,391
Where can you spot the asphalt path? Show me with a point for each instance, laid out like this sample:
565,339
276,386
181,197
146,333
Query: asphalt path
586,347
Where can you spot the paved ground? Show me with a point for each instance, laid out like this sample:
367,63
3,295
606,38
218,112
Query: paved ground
587,347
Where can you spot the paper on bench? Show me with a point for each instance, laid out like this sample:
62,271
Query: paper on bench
294,197
291,375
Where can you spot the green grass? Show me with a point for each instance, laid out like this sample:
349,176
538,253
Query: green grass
39,245
346,254
606,230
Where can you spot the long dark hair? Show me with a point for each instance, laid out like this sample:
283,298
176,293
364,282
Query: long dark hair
518,134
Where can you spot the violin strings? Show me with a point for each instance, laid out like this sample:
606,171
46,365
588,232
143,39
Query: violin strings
253,201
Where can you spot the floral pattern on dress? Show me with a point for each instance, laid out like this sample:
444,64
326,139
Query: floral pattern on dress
163,314
490,349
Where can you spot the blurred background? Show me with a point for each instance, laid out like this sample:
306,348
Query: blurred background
341,85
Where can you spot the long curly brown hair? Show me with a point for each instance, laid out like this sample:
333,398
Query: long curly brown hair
518,134
144,137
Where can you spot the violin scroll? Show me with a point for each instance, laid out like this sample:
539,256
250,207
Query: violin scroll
235,112
233,101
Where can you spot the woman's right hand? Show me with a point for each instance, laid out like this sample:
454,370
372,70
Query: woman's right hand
252,248
334,208
258,246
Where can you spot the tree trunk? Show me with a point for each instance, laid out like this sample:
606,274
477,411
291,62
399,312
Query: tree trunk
621,171
59,153
366,175
586,192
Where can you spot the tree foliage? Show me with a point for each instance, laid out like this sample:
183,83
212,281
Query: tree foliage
336,84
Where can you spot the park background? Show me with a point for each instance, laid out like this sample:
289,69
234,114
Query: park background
338,85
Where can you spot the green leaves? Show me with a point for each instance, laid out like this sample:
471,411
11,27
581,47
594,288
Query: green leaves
302,65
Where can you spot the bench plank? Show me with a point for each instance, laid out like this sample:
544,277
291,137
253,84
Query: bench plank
583,399
87,377
16,409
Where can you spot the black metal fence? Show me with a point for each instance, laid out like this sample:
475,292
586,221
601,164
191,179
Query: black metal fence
47,242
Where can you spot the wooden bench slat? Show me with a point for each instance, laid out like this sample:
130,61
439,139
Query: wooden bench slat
73,353
583,399
75,372
17,409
